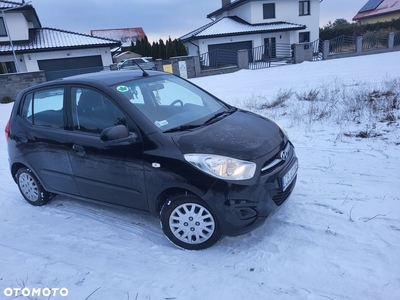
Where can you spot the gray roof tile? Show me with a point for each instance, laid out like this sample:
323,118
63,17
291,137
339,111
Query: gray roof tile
9,4
42,39
236,26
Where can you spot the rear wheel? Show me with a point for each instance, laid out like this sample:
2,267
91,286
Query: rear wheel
189,223
31,188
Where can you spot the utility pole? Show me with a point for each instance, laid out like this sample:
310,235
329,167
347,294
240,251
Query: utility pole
8,32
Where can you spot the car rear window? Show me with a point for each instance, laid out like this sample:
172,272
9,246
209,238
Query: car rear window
44,108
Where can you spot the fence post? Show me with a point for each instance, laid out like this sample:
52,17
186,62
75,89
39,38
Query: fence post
325,51
391,40
243,59
159,64
197,65
303,52
359,44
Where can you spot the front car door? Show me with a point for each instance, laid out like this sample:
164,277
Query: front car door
106,172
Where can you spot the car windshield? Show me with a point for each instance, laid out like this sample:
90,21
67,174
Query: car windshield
170,102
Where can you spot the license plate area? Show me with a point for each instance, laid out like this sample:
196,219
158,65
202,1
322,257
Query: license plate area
289,176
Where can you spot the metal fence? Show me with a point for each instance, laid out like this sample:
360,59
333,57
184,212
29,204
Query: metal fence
270,54
375,41
342,44
318,46
396,39
218,58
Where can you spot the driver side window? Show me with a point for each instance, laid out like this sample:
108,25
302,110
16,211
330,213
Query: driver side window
93,112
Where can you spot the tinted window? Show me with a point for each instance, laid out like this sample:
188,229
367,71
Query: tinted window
269,11
44,108
93,112
304,37
3,31
304,8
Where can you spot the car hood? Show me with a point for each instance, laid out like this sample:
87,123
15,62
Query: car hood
241,135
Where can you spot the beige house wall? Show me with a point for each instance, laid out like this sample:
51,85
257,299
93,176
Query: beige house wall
382,18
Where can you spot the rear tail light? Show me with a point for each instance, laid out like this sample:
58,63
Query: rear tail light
7,130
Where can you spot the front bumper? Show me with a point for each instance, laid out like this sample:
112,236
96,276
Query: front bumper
240,208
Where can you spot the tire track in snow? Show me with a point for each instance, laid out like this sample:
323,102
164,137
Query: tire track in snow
133,222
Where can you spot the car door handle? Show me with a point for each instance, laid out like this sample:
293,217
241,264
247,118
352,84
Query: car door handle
79,150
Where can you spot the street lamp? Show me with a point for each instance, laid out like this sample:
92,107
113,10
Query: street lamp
8,33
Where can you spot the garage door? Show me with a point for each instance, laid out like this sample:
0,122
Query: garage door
59,68
226,54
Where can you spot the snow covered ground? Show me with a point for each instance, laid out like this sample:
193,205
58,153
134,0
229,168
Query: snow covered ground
337,237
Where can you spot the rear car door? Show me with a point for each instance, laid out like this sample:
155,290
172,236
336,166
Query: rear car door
39,130
108,172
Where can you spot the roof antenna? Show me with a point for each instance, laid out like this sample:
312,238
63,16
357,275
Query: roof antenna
145,74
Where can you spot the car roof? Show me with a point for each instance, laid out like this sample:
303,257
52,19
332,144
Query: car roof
105,78
110,77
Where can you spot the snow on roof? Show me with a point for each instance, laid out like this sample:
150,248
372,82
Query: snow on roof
118,33
50,38
235,26
9,4
125,35
386,7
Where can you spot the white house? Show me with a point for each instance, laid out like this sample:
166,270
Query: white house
26,46
247,24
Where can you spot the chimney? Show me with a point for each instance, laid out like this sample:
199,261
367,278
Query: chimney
225,2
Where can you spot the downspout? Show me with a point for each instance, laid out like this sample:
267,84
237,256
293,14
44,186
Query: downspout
197,46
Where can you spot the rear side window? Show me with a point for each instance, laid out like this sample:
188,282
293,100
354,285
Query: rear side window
44,108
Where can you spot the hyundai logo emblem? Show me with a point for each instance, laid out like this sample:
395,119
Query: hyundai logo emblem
284,155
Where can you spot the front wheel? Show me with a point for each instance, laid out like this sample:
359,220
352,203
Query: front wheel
189,223
31,188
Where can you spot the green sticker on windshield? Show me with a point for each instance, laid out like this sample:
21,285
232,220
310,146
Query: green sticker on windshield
122,89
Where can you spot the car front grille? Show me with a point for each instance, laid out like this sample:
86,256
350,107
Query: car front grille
279,196
275,161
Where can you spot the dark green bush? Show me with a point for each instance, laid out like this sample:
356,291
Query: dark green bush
331,31
6,99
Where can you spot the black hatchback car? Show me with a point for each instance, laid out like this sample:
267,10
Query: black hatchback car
154,142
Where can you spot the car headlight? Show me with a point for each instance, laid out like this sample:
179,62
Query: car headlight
222,167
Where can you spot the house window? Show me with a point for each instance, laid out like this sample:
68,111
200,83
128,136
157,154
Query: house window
269,10
304,37
304,8
3,31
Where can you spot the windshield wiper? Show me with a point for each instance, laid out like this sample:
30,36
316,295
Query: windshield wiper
210,120
217,115
182,128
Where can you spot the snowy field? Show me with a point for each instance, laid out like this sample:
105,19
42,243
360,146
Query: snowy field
337,237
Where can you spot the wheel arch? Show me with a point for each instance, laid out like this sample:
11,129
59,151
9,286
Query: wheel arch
166,194
14,169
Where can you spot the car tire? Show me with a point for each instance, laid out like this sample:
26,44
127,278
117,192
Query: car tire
189,223
31,188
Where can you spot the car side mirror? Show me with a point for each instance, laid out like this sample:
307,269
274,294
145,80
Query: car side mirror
117,135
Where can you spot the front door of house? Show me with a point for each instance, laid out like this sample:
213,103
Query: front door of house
270,47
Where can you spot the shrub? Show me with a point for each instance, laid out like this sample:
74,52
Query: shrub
6,99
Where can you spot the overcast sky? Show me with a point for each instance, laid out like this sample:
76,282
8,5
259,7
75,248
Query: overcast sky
158,18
